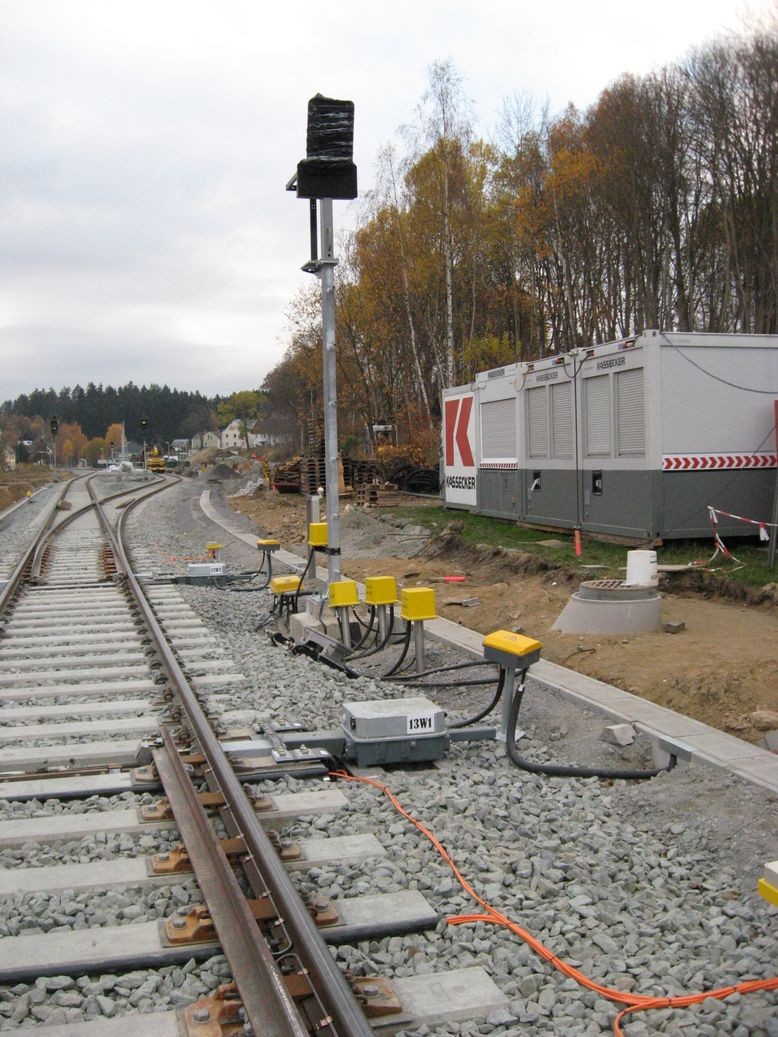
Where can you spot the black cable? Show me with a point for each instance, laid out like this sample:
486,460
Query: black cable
403,653
485,712
361,621
559,769
455,666
443,684
302,580
368,628
716,378
379,647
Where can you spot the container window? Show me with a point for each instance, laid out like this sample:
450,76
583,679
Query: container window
597,419
562,420
498,430
631,412
537,411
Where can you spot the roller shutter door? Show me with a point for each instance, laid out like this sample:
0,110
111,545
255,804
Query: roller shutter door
597,406
498,430
562,420
537,413
631,412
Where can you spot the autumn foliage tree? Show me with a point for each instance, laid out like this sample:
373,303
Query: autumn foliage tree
657,207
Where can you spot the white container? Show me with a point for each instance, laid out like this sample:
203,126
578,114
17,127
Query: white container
641,569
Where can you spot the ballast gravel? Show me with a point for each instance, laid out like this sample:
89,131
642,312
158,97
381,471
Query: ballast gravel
643,888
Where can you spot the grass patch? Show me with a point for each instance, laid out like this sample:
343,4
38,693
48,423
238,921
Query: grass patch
479,529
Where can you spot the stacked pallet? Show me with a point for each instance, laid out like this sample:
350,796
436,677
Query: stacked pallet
371,495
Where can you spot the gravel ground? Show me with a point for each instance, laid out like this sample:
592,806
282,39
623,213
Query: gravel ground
645,887
18,526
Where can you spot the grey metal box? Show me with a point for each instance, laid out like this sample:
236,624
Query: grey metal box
393,718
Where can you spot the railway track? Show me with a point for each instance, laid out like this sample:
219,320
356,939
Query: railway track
140,845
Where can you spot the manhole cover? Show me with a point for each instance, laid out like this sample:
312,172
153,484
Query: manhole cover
614,590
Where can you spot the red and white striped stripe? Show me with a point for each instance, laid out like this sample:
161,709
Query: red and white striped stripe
714,462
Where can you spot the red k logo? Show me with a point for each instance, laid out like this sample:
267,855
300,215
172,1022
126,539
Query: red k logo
457,420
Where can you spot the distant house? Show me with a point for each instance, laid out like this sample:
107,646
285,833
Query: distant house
179,445
203,440
233,435
8,458
268,434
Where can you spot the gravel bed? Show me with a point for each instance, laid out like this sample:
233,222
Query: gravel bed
18,529
645,887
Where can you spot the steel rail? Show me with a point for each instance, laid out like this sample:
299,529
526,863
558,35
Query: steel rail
46,538
15,579
253,969
345,1014
97,504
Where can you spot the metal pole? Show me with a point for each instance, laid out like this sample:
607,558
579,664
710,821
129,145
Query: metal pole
418,642
507,695
327,277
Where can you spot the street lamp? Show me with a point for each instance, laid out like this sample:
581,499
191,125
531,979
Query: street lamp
327,172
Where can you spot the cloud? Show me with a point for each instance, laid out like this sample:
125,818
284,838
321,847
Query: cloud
144,148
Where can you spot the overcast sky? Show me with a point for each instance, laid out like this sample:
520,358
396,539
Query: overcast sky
145,234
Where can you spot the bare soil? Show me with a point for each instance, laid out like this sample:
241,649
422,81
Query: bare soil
722,668
21,482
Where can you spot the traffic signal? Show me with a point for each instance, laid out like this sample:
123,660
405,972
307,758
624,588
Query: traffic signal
54,424
144,423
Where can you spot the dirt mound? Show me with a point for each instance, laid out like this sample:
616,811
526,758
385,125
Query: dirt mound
223,471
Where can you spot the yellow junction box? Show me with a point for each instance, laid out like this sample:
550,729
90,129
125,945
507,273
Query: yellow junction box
768,891
509,649
317,534
417,603
285,584
342,594
768,884
268,545
380,590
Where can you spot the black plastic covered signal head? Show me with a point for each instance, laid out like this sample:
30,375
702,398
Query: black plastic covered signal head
328,171
144,422
54,424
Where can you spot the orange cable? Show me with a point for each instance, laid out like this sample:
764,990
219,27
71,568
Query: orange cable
632,1002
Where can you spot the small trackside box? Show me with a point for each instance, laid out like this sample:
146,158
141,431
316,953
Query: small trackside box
342,594
317,534
768,884
508,649
268,545
198,570
393,718
285,584
417,603
380,590
385,731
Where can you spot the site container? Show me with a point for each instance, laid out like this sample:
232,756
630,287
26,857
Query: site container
634,438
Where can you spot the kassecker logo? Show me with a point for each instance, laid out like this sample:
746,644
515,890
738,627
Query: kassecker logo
457,436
